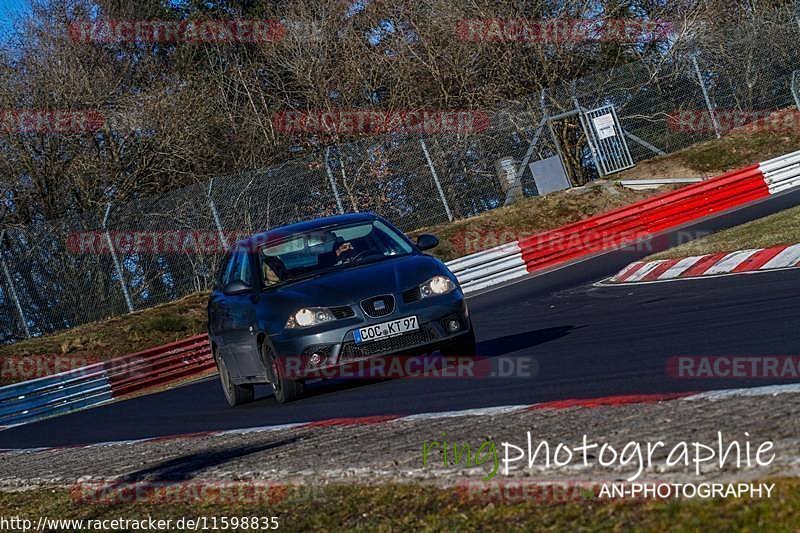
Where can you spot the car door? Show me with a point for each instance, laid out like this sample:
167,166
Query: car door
241,308
219,315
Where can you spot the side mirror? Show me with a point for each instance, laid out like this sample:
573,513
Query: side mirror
236,287
426,241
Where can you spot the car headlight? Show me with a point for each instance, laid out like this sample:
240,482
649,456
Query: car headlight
309,316
436,286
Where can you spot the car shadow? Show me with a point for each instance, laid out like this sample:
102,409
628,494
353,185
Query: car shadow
484,350
521,341
186,466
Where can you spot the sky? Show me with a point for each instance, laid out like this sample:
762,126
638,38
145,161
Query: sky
11,10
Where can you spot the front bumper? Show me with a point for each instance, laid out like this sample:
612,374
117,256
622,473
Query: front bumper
306,354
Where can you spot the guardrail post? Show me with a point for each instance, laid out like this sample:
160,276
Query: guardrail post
710,107
436,180
11,290
215,215
117,264
332,181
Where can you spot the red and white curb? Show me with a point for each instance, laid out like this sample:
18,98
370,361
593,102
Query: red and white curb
753,260
588,403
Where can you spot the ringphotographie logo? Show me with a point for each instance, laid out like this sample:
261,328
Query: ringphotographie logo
634,457
514,491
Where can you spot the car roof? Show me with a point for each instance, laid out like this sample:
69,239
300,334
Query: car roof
280,232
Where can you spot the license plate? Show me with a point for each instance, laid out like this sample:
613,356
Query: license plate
386,329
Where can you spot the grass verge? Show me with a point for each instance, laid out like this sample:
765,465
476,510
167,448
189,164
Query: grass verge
424,507
774,230
112,337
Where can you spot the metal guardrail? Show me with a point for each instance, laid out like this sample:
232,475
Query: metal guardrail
102,382
782,173
641,185
627,225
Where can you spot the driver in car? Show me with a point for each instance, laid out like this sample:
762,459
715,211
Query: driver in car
341,253
345,251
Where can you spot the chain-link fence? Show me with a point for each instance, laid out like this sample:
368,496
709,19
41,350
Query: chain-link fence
145,251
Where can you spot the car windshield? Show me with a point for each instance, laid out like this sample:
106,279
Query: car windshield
322,250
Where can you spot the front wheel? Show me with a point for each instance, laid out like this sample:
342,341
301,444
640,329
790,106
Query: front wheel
285,389
461,346
234,394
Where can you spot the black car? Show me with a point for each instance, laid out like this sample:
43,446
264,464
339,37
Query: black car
325,293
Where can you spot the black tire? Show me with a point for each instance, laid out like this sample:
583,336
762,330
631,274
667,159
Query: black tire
285,389
461,346
234,394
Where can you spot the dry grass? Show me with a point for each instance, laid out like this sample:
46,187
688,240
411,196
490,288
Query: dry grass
412,507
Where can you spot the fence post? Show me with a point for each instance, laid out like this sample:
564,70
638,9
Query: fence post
436,180
710,107
215,214
117,264
585,125
11,290
332,180
553,136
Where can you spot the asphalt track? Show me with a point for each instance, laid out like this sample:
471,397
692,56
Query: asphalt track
583,341
587,341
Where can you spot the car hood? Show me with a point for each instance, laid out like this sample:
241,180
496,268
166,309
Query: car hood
352,285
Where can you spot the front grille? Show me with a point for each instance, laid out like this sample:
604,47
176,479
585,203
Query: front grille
342,312
322,349
352,351
378,306
411,295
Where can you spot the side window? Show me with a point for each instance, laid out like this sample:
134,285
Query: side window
225,271
237,269
243,272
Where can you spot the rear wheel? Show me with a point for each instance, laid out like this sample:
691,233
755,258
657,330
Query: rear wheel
285,389
234,394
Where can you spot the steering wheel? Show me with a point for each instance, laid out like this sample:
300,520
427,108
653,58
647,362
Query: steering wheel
356,255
